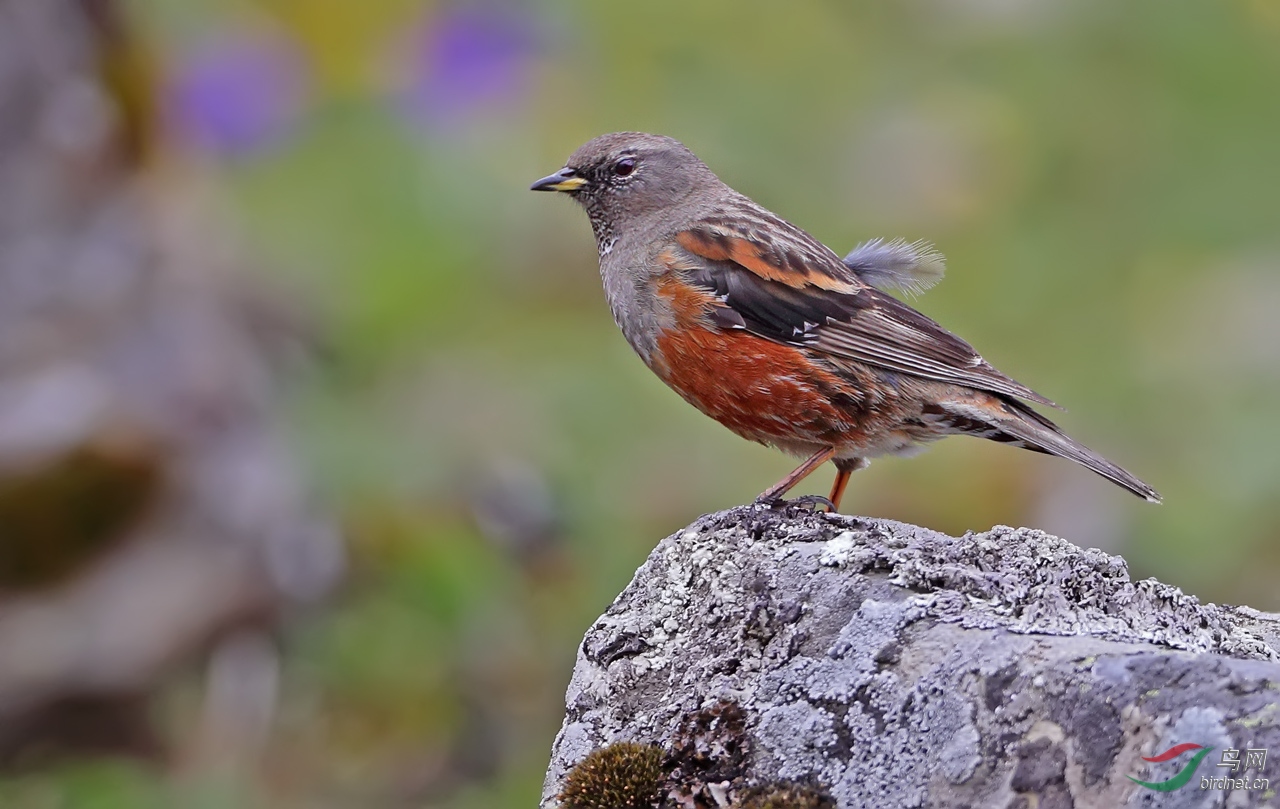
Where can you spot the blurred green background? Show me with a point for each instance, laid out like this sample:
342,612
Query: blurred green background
1103,178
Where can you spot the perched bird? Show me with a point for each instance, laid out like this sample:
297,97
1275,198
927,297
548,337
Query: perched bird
762,327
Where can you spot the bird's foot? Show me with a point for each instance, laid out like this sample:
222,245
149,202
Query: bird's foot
803,501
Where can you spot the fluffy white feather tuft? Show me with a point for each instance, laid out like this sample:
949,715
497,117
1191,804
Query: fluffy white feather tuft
910,267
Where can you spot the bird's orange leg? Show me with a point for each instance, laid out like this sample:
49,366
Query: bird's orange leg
837,488
774,493
844,468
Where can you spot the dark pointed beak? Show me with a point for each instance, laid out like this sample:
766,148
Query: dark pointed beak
566,179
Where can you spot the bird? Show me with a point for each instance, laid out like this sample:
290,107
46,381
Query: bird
768,331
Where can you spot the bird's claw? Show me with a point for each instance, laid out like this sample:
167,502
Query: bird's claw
803,501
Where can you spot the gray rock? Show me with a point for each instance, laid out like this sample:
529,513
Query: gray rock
898,667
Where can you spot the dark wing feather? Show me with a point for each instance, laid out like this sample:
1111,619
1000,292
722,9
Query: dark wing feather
861,324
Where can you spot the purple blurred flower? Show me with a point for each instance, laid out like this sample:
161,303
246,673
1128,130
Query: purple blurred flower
237,93
465,60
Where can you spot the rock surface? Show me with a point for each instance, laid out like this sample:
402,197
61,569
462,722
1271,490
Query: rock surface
893,666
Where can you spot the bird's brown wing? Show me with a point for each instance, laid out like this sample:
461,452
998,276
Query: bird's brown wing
768,246
780,287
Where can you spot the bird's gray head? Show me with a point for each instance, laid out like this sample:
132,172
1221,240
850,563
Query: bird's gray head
625,175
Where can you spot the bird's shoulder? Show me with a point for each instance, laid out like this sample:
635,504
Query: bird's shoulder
734,228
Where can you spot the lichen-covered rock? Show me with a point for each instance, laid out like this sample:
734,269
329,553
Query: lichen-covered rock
895,666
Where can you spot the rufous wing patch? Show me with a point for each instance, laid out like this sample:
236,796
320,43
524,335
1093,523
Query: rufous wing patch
767,259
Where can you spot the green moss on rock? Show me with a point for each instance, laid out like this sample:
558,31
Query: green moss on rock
785,796
623,775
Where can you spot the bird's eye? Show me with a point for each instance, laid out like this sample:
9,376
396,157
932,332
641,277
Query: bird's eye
624,166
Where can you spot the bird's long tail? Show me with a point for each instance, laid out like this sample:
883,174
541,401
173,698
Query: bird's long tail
1012,422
